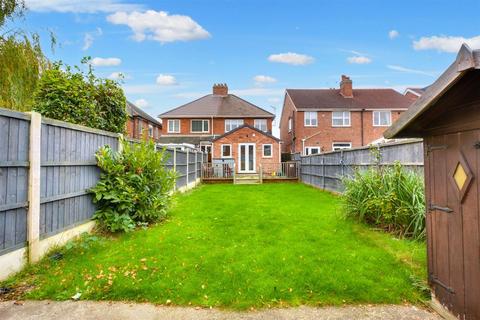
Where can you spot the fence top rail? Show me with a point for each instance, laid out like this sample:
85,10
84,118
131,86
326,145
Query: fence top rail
14,114
78,127
381,145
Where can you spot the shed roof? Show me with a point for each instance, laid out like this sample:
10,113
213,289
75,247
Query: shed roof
362,99
249,127
467,60
135,111
213,105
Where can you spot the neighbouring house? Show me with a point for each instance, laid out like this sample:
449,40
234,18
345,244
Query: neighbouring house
141,125
413,93
321,120
202,121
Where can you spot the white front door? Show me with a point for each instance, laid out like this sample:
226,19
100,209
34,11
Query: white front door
246,158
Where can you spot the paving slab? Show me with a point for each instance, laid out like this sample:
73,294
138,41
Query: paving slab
91,310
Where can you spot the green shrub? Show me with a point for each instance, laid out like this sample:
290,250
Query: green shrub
134,187
72,96
391,198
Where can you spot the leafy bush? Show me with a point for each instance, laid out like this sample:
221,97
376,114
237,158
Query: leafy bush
134,188
73,96
392,198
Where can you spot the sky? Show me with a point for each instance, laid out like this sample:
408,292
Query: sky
170,52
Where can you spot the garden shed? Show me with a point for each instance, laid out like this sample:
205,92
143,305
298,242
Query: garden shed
447,117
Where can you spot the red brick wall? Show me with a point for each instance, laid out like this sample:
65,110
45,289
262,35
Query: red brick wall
133,130
411,96
247,135
324,135
288,112
218,126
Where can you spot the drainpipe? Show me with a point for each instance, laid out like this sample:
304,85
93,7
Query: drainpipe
361,124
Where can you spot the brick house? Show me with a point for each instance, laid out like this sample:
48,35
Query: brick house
249,148
414,93
141,125
202,121
320,120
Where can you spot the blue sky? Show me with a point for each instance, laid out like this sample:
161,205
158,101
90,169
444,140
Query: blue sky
171,52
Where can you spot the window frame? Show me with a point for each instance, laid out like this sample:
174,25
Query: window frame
140,128
341,148
203,123
237,120
310,149
342,118
263,121
379,118
310,119
150,130
221,151
271,150
173,121
290,124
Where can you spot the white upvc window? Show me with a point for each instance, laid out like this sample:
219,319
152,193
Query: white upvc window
226,150
150,131
312,150
289,124
267,150
341,145
231,124
341,119
173,126
382,118
199,126
310,119
260,124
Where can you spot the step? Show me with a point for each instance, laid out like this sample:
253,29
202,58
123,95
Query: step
247,181
247,176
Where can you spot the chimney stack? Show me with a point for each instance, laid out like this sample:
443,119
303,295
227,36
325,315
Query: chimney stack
346,88
220,89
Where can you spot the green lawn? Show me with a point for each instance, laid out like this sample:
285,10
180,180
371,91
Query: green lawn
240,246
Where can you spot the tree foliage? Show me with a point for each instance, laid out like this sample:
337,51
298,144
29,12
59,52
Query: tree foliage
8,8
68,94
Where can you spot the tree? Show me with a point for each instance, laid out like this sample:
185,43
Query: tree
71,95
8,8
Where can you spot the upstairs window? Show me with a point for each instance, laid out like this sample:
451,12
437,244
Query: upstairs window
200,126
289,124
341,118
173,126
231,124
150,131
260,124
140,128
341,145
382,118
310,119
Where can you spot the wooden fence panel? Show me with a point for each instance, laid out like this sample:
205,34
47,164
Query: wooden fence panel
326,170
14,146
68,170
181,168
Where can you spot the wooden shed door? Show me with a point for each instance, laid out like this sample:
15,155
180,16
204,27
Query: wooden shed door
451,170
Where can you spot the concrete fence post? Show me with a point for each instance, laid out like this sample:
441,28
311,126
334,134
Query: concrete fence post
33,215
120,144
175,164
196,168
188,160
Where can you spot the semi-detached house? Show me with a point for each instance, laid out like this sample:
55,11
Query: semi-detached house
224,126
321,120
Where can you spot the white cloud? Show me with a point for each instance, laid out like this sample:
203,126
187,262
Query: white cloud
292,58
118,76
166,80
159,26
80,6
261,79
408,70
445,43
90,37
359,60
274,100
105,62
392,34
141,103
